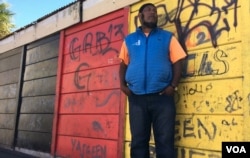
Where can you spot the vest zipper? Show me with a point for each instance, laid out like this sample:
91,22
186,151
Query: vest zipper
146,68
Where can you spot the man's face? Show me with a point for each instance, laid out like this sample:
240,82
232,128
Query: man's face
148,17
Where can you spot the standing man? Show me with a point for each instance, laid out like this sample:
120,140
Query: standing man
150,71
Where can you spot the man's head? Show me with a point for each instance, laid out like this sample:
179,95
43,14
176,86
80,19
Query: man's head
148,15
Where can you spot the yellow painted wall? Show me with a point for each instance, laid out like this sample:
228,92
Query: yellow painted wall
213,99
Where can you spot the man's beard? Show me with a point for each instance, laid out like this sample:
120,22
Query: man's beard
150,24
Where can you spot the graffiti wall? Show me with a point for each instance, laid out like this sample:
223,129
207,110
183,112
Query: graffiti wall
90,105
210,97
88,109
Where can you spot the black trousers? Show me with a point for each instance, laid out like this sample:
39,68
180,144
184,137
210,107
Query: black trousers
156,111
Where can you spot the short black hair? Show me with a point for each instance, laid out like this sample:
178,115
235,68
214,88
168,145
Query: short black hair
144,5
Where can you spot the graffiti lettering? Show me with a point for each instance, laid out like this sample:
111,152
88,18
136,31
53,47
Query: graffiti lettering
217,65
191,153
204,31
228,123
233,102
188,153
189,130
98,101
197,89
71,102
88,150
101,45
74,49
78,79
201,127
177,130
97,126
107,99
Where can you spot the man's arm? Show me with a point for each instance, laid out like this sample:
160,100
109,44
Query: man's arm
177,69
177,56
123,83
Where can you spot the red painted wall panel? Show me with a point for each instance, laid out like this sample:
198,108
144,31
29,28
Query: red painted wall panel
89,126
89,80
76,147
90,108
91,102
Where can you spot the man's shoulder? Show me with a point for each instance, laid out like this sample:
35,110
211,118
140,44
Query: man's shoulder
165,31
132,33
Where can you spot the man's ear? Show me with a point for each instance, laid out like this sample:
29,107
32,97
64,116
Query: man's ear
140,16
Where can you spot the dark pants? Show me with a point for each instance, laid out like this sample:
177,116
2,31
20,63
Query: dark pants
159,112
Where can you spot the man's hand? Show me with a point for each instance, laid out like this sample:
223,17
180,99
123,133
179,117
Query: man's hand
169,90
126,90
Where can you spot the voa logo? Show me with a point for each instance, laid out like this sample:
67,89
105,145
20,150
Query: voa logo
236,149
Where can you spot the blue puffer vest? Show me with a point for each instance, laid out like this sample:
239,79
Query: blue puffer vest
149,69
